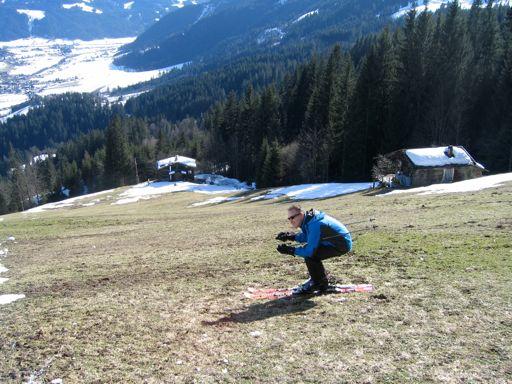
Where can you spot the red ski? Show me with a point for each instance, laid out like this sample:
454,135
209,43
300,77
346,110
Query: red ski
280,293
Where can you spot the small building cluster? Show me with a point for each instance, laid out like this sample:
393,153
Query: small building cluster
176,168
426,166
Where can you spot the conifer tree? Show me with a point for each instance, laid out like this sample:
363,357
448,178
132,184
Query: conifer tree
117,157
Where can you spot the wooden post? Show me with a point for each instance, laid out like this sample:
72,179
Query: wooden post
136,170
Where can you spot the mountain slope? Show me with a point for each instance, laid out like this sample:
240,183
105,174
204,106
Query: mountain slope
88,19
221,28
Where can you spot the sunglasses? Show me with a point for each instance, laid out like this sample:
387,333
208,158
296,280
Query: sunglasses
294,216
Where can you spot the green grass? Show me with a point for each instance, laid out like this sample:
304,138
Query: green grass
151,292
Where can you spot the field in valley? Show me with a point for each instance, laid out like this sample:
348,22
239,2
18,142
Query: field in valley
152,292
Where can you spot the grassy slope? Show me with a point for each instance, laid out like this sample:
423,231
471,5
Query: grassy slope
151,292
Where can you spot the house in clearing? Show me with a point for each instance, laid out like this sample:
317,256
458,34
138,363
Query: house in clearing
425,166
176,168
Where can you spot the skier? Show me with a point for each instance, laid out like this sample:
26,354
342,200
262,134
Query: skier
325,237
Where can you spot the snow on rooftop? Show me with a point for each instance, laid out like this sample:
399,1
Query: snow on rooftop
472,185
177,159
432,157
314,191
146,191
315,12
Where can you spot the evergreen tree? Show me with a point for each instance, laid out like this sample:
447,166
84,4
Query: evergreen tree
117,157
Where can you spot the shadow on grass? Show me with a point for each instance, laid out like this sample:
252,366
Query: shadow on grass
262,311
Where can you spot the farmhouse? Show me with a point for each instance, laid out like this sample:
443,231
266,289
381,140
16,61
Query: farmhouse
176,168
425,166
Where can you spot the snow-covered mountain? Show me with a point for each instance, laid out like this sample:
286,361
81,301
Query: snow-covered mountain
81,19
434,5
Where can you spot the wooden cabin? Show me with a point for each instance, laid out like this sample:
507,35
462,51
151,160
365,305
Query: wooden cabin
176,168
425,166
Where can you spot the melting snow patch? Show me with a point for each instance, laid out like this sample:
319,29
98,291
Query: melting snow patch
3,280
458,187
315,12
215,200
3,269
147,191
433,6
256,333
3,252
64,203
84,7
7,299
314,191
11,238
32,14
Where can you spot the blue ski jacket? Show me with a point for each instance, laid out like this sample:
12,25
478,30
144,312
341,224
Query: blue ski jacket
319,229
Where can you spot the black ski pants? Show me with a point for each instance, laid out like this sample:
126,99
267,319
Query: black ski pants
315,266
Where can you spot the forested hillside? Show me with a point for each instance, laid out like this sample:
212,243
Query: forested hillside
440,79
218,28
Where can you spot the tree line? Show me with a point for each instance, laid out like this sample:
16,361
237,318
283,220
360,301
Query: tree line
438,79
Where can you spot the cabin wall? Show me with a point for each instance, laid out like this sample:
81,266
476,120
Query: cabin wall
426,176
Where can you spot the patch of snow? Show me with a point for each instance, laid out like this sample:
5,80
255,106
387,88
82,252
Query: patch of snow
179,4
64,203
215,200
122,99
128,5
32,14
41,157
3,280
3,269
7,299
434,5
84,7
431,157
270,34
221,180
471,185
256,333
315,12
3,252
11,238
189,162
20,112
144,191
9,99
314,191
207,11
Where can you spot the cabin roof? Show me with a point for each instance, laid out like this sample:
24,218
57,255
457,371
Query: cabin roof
440,157
177,159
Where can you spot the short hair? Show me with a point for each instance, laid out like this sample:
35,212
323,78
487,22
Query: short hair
295,207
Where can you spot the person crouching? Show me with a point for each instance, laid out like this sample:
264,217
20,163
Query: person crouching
325,237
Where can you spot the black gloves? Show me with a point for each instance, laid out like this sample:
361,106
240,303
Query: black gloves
286,249
285,236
